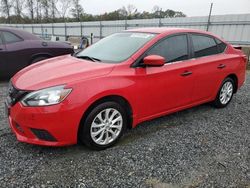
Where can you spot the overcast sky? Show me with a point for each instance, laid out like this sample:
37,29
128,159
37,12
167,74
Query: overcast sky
188,7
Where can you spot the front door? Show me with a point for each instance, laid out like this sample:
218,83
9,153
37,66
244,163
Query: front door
168,87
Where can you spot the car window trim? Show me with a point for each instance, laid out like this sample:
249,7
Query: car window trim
136,63
21,39
201,34
218,45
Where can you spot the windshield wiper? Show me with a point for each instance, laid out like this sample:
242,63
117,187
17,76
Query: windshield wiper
89,58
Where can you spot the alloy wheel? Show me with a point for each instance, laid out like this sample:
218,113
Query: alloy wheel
106,126
226,92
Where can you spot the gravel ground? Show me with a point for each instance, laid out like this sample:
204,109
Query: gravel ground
199,147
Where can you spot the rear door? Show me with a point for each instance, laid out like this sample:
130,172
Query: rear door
209,61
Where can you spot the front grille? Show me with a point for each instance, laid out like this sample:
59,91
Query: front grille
43,135
14,95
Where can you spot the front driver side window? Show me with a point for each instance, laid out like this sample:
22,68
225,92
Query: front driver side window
173,48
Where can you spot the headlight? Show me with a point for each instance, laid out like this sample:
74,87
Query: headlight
45,97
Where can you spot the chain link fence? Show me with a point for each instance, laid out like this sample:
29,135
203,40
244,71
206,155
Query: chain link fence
233,28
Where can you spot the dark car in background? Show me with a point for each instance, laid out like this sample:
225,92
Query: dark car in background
19,49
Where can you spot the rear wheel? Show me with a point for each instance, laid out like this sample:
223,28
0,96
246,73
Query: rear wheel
103,126
225,93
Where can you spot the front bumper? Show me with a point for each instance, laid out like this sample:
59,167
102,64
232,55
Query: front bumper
48,126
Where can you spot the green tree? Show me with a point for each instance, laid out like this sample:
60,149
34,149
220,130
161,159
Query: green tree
53,8
18,9
77,10
6,8
30,4
64,6
47,11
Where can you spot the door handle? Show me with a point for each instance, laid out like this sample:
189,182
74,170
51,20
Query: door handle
221,66
186,73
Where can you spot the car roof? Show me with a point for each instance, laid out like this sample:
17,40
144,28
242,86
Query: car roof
167,30
23,34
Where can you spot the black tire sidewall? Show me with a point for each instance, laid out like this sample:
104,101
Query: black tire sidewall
85,136
217,102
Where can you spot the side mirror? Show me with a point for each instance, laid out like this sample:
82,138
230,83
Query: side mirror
154,61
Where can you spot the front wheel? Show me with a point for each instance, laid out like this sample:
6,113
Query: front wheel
225,93
103,126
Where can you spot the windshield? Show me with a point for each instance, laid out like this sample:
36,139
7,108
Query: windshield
117,47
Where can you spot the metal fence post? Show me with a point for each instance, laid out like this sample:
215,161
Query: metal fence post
160,23
126,24
42,30
91,38
53,32
100,29
81,29
65,31
209,17
32,29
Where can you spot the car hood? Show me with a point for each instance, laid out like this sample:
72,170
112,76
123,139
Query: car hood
58,71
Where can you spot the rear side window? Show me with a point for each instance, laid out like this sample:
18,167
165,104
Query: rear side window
221,45
174,48
204,45
10,37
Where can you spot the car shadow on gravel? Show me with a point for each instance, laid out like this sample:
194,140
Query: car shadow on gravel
170,121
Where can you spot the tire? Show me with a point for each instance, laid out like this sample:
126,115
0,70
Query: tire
225,93
37,59
98,132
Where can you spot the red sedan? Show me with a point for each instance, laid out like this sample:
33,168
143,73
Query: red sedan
120,81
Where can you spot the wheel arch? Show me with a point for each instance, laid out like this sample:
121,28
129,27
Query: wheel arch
33,57
235,79
114,98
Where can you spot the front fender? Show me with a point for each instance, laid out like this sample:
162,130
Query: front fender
88,92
